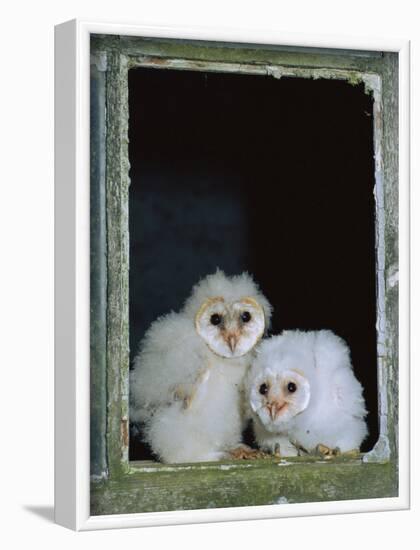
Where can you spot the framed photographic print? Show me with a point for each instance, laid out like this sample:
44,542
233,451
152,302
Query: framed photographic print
232,226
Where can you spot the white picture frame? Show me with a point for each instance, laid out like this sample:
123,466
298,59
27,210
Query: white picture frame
72,367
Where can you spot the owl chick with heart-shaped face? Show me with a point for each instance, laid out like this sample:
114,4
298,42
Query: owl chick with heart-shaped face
186,385
303,394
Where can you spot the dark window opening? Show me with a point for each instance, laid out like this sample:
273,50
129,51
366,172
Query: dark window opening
251,173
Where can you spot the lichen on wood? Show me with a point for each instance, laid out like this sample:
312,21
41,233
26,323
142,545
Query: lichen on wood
98,271
250,484
117,182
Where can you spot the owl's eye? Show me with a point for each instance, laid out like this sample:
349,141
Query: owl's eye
291,387
215,319
245,316
263,389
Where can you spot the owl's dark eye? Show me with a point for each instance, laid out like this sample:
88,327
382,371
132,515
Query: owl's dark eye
291,387
245,316
215,319
263,389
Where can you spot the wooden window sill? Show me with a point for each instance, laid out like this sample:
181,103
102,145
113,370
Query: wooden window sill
152,487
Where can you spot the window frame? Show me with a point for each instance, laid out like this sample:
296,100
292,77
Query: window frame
118,486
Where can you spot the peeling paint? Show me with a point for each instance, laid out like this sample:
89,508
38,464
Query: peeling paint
99,61
381,450
181,468
393,276
285,463
124,431
117,183
353,77
276,71
373,85
380,453
96,478
225,467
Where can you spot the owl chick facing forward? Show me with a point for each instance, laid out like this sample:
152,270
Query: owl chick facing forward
186,385
303,394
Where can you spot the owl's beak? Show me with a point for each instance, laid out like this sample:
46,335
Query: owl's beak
232,340
275,407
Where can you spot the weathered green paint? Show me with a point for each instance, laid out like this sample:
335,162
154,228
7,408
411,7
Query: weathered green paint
152,487
98,271
246,484
117,181
237,53
390,161
352,76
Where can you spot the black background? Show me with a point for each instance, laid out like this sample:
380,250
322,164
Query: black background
274,177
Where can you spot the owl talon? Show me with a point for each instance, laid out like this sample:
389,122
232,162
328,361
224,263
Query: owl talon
302,451
187,392
243,452
187,397
186,404
327,452
277,453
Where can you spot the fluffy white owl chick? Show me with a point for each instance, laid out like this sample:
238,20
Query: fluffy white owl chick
303,394
186,385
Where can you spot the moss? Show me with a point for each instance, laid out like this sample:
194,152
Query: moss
239,53
117,181
248,484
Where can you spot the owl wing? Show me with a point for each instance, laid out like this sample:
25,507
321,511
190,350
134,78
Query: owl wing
335,370
170,360
347,393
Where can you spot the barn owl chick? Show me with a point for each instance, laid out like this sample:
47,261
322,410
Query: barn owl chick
186,385
303,395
